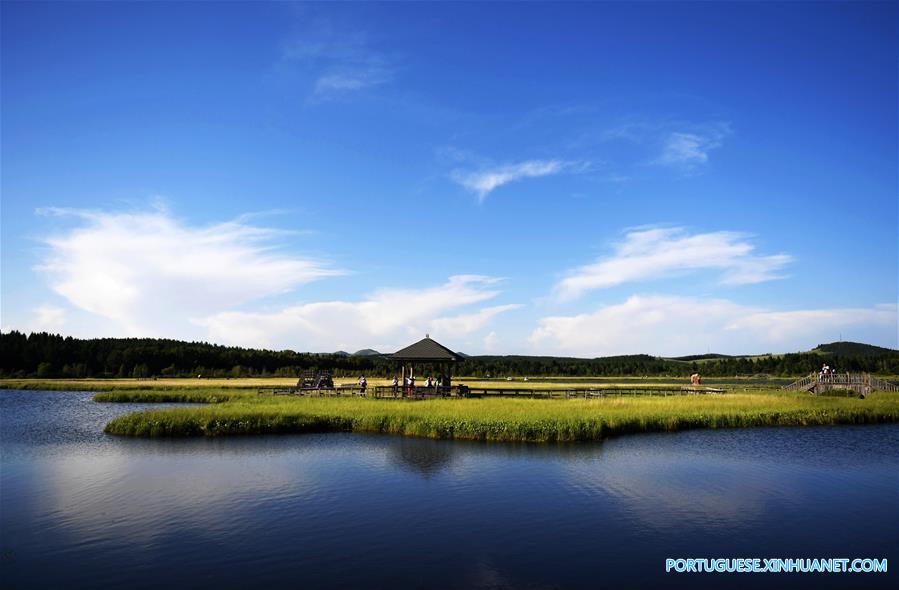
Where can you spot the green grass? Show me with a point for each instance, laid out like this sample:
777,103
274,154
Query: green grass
204,396
510,420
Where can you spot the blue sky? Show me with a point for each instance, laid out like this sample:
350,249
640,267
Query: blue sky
582,179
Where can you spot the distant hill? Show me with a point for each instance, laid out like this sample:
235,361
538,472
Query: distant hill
341,353
700,357
367,352
852,349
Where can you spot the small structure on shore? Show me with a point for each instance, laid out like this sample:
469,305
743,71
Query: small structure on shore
315,380
426,351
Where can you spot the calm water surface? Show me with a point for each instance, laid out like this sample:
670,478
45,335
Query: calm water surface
80,509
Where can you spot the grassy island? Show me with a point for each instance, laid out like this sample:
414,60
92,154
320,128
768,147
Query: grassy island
227,413
233,407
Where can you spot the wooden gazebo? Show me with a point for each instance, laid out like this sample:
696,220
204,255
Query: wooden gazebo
427,351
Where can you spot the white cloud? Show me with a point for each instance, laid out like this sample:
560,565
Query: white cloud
48,318
386,320
780,326
490,341
672,326
464,324
689,150
149,272
648,254
482,182
679,145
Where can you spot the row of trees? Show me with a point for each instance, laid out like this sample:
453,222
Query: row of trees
886,363
50,355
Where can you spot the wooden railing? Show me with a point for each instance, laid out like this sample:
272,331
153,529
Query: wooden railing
862,383
460,391
882,385
805,383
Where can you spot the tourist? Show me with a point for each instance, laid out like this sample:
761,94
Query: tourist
362,384
395,384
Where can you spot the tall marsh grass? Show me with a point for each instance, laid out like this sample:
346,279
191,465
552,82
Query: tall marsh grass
203,396
512,420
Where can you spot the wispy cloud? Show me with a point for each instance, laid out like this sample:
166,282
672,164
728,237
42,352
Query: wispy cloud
489,342
671,326
343,61
465,324
688,150
330,85
149,272
47,318
682,146
483,182
778,326
648,254
385,319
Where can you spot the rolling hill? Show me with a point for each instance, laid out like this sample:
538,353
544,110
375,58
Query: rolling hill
852,349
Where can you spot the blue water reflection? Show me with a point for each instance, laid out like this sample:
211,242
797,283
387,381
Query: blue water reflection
80,509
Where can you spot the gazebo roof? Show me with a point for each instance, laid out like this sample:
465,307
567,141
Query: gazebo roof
427,350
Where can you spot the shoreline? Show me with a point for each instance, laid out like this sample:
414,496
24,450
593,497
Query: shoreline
501,420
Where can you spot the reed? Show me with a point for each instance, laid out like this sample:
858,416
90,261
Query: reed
509,420
202,396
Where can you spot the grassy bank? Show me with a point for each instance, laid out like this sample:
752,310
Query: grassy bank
510,420
255,383
200,395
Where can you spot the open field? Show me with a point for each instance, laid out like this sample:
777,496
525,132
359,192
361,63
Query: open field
509,420
254,383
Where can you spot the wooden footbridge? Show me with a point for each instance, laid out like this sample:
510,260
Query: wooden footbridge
860,383
464,391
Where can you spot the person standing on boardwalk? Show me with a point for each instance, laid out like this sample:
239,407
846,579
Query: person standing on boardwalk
362,384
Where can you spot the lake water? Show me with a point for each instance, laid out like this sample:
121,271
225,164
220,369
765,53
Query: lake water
80,509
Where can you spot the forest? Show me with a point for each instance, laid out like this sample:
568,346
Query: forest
44,355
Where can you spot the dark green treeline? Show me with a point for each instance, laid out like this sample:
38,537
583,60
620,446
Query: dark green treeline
46,355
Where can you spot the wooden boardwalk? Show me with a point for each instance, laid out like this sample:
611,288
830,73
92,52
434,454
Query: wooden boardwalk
860,383
463,391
